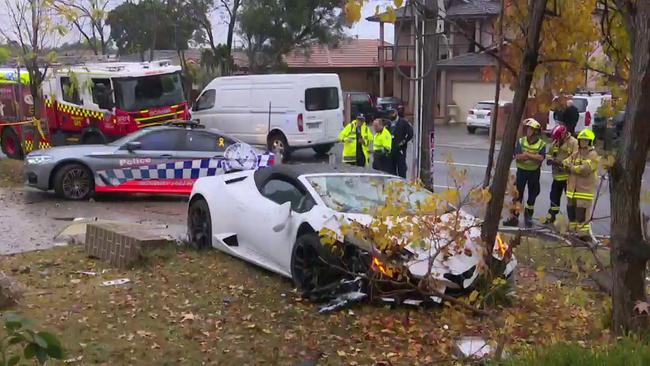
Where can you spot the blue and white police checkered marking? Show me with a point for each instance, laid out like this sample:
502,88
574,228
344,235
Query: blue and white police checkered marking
186,169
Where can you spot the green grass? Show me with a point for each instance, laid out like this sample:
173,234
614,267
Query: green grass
627,352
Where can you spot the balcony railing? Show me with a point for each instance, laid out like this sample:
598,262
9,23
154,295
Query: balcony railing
396,55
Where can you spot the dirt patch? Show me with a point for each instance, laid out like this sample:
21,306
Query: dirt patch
187,307
11,173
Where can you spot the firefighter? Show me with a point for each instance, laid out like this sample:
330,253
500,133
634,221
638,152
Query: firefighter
582,167
564,145
530,152
381,146
356,137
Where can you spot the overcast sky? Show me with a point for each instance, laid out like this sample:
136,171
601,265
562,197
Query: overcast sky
363,29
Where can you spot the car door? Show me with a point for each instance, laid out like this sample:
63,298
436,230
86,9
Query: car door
267,242
323,111
143,169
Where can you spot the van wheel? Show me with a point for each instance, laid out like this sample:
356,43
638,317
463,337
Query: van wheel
323,149
471,130
278,145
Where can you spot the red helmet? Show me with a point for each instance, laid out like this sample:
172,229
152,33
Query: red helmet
558,132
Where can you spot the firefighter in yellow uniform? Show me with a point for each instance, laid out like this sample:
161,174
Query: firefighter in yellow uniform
582,167
564,145
356,137
382,146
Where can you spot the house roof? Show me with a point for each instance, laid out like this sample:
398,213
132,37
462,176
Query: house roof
350,53
468,60
473,8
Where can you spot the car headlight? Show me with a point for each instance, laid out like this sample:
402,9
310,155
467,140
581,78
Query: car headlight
38,159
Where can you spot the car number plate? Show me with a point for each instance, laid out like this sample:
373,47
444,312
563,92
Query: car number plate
313,125
480,115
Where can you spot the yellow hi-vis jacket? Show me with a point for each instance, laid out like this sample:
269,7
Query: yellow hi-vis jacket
582,166
349,138
530,165
560,152
382,143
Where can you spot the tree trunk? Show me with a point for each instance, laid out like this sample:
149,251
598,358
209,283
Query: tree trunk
536,10
630,252
497,96
429,81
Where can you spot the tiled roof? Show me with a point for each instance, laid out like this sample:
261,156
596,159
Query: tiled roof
350,53
468,60
473,8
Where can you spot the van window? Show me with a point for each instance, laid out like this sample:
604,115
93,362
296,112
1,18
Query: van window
206,100
321,99
580,104
70,92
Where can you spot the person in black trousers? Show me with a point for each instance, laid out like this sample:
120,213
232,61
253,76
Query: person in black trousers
402,132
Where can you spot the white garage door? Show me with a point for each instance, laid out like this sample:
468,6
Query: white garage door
467,93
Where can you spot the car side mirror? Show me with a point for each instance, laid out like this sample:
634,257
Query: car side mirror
133,145
283,214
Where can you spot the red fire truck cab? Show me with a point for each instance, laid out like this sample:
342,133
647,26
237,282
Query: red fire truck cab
98,103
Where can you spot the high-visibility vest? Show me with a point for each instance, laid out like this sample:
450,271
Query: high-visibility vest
533,149
583,174
349,138
560,152
383,142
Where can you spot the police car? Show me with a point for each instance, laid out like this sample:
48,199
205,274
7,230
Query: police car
164,159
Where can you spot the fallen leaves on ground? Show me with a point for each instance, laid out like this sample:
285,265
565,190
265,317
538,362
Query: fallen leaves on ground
205,307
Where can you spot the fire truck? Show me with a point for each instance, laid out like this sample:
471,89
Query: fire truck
93,104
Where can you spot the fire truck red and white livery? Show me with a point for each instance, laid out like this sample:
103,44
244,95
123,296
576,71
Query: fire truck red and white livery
97,103
100,102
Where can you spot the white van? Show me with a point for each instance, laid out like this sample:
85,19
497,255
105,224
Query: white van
284,111
587,105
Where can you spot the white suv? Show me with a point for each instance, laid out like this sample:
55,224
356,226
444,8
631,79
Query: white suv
587,105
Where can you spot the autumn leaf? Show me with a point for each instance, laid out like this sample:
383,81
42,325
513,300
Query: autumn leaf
353,11
389,15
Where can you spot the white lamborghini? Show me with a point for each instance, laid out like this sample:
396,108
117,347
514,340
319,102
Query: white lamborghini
272,217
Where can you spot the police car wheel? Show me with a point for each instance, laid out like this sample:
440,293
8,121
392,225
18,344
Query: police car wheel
74,182
199,225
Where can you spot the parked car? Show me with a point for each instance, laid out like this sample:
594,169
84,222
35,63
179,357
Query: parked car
284,111
158,160
481,115
272,218
587,105
360,102
387,103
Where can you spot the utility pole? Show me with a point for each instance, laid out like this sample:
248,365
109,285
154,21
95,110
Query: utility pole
429,70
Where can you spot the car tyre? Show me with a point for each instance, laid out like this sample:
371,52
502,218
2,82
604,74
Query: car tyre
278,145
323,149
311,266
11,144
471,130
74,182
199,225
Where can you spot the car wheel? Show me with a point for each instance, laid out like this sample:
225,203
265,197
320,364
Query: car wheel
11,144
311,267
471,130
323,149
199,225
278,145
74,182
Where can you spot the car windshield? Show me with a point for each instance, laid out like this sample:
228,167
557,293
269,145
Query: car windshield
137,93
484,106
362,193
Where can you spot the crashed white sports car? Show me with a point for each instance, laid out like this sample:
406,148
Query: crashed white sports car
272,217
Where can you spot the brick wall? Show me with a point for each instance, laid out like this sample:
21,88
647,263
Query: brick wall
121,245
